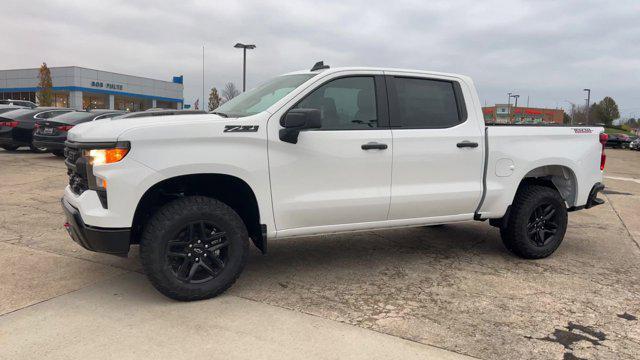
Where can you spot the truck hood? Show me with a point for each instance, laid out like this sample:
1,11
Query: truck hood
108,130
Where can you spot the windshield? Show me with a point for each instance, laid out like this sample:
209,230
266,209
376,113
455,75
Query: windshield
260,98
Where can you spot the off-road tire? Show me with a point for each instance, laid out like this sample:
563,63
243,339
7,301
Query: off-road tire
515,235
163,227
10,148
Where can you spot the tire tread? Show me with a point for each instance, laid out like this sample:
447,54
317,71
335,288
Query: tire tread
157,225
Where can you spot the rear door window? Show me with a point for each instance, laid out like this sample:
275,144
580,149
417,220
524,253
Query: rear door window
426,103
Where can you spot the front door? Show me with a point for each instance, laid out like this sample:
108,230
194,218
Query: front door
338,175
438,149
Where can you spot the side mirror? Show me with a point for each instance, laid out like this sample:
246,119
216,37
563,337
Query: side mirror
296,120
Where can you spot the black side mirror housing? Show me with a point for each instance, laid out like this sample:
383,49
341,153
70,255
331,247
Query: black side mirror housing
296,120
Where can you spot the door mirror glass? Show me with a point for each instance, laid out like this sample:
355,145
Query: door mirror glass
296,120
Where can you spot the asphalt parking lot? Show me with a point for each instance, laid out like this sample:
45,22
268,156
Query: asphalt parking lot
444,292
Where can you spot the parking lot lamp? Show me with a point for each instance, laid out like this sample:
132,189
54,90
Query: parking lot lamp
244,48
588,103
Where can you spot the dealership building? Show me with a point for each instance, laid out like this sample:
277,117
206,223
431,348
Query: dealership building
509,114
83,88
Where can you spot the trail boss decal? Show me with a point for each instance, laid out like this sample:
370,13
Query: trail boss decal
241,128
582,130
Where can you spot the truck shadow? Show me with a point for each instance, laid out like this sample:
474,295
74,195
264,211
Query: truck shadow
366,254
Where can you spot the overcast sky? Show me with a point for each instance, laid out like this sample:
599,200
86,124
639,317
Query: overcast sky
545,50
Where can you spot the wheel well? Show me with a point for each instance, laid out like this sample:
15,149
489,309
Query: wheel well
231,190
557,177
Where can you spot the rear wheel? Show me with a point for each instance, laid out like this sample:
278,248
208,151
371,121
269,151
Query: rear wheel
194,248
536,224
10,148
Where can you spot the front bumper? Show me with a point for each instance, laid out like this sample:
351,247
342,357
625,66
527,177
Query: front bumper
114,241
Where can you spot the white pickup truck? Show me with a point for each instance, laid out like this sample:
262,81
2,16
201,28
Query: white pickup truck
316,152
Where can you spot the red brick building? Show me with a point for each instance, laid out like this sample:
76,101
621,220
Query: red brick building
508,114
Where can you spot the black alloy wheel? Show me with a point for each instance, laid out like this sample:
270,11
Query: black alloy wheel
543,224
198,252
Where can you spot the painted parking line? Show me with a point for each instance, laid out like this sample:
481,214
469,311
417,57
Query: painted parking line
623,179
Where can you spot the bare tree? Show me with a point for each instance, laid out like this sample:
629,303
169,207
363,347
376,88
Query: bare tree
230,91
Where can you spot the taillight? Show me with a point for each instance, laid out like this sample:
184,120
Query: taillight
36,126
10,124
65,127
603,157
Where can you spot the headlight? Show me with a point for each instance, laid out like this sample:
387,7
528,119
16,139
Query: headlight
104,156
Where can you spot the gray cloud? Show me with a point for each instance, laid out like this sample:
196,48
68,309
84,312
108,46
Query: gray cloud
547,50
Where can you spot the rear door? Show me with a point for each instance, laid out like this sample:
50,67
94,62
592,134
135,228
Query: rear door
339,175
437,148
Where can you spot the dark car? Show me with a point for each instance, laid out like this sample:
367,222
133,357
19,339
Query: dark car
51,134
16,127
619,141
7,108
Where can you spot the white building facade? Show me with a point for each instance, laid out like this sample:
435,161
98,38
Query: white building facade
82,88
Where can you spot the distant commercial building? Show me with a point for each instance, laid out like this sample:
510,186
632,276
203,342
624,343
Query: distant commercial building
83,88
508,114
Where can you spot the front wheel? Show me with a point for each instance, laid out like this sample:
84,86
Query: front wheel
194,248
537,222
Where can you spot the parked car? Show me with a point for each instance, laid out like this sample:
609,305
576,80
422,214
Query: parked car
618,141
149,113
314,152
7,108
51,133
23,103
635,144
17,126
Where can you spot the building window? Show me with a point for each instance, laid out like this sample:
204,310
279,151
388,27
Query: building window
29,95
95,101
126,103
166,104
61,99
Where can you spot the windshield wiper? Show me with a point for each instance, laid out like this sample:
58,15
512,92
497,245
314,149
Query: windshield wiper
219,113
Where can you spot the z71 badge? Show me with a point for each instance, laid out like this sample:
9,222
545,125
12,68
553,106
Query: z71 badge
241,128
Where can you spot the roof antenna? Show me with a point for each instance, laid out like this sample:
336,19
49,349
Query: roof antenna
319,66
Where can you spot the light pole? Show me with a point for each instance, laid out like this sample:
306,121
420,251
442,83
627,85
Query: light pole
244,48
515,105
509,106
588,103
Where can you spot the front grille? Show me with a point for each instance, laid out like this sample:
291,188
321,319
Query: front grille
76,169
